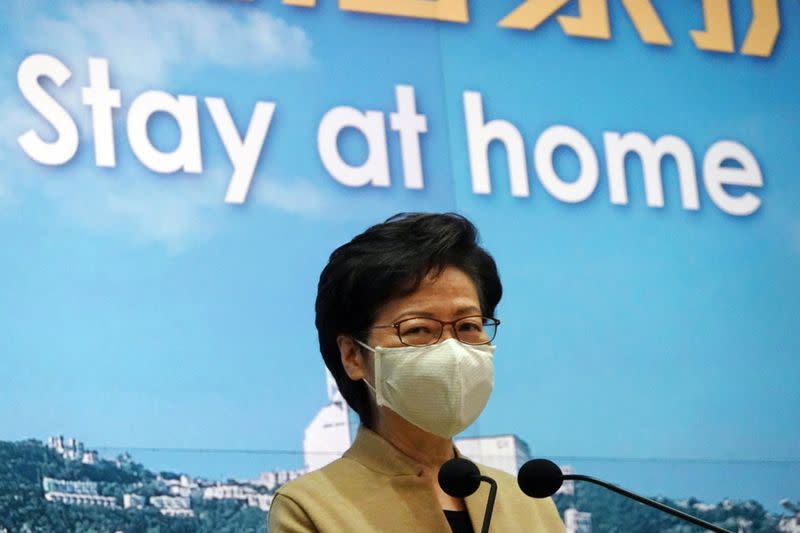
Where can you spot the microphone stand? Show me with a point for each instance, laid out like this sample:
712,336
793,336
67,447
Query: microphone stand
487,515
647,501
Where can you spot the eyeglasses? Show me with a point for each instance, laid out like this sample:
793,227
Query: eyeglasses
420,331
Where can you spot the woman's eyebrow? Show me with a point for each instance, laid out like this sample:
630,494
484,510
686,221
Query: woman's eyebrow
413,314
428,314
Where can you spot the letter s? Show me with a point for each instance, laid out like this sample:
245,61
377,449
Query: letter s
64,147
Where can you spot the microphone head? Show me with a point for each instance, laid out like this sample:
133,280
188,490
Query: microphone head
540,478
459,477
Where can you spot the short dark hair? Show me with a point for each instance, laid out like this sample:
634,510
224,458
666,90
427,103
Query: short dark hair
387,261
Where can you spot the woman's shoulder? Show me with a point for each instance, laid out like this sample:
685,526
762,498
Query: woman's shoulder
346,495
318,480
297,504
344,476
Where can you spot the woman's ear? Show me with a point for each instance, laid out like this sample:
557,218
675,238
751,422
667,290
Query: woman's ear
352,358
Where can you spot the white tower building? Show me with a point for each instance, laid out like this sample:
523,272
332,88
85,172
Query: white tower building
328,435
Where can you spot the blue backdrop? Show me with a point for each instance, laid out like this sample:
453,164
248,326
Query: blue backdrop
146,305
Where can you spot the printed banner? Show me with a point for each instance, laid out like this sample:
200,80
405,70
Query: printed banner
175,174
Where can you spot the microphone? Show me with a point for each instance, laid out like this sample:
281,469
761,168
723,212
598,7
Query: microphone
460,478
540,478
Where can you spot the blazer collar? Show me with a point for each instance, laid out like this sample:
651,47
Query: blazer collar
376,453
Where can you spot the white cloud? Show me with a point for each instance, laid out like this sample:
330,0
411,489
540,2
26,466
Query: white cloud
175,211
296,197
171,210
144,40
147,43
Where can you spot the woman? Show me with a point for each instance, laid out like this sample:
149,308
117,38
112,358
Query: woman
405,317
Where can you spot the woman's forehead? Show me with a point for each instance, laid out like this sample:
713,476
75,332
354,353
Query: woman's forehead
441,295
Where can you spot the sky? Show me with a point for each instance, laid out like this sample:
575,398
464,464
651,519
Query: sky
139,310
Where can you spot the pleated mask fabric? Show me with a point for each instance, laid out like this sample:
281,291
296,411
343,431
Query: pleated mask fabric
441,388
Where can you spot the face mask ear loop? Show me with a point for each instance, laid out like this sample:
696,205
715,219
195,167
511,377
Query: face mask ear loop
370,387
367,346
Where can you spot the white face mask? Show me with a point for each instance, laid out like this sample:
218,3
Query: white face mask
441,388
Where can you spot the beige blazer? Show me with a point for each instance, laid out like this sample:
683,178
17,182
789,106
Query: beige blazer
376,488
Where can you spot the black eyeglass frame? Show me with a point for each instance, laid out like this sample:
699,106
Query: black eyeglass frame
493,321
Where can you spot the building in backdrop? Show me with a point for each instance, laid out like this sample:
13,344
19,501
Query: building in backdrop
72,449
75,493
275,478
503,452
328,435
174,506
133,501
577,522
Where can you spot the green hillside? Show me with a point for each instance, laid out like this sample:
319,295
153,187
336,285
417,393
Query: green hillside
23,507
612,513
